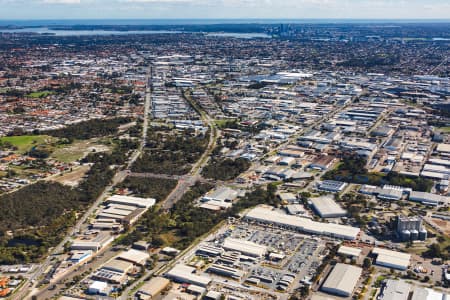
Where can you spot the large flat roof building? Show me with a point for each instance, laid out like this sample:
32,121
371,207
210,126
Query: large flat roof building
428,198
266,214
119,266
133,201
184,274
349,251
395,290
326,207
134,256
153,287
332,186
342,280
391,259
244,247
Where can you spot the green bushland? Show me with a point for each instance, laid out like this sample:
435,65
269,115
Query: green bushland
225,169
157,188
353,169
185,221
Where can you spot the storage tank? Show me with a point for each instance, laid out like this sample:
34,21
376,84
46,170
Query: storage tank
423,234
406,235
414,235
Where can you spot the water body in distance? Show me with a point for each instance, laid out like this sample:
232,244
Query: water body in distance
69,22
45,30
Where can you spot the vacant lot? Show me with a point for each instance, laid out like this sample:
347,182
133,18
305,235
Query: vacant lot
71,178
25,142
77,150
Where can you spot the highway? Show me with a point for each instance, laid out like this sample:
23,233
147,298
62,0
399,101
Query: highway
193,176
184,183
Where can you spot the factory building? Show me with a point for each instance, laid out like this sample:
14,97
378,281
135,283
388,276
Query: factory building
96,243
134,256
267,215
225,271
342,280
244,247
326,207
110,276
184,274
222,198
123,210
428,198
410,228
395,290
81,256
209,250
118,266
332,186
153,288
392,259
132,201
402,290
349,251
98,288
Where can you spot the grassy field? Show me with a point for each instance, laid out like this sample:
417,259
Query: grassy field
444,129
26,142
77,150
41,94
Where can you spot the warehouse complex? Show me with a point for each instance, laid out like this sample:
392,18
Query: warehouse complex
123,210
265,214
402,290
342,280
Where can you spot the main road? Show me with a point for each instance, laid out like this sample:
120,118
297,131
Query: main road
194,175
31,286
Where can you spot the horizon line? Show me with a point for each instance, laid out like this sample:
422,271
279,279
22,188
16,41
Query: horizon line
231,19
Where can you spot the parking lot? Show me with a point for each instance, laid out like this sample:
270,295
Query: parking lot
290,259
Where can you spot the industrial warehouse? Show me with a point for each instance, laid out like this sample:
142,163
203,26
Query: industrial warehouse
391,259
342,280
268,215
326,207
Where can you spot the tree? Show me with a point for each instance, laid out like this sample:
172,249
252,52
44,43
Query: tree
367,263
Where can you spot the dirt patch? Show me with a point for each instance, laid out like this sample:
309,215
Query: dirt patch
442,224
72,178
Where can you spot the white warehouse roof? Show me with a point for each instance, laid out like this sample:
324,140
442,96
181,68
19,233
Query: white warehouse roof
134,201
184,274
349,251
134,256
266,214
342,280
392,259
245,247
428,198
326,207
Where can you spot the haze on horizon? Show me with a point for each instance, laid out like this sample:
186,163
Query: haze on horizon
224,9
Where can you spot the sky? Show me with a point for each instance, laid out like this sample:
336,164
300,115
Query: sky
224,9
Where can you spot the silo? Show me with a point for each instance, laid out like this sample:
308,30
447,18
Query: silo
406,235
423,234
